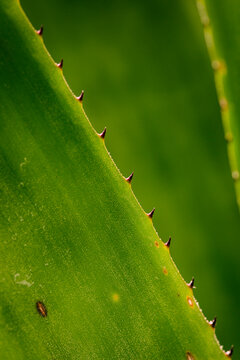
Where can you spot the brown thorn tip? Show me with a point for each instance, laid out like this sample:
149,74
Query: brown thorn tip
150,215
191,284
60,65
80,97
102,135
230,352
129,179
40,31
168,243
213,323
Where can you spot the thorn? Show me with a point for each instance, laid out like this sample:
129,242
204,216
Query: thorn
191,284
60,65
229,352
40,31
168,243
102,135
129,179
150,215
80,97
213,323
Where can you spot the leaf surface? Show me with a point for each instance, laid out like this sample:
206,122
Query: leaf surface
75,244
147,77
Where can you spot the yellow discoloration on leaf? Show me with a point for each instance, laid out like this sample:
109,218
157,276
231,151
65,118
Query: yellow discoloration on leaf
115,297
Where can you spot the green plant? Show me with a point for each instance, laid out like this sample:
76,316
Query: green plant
75,242
221,29
164,123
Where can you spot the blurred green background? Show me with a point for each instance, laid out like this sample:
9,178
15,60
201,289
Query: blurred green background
147,78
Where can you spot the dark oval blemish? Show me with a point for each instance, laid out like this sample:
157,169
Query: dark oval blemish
41,308
189,356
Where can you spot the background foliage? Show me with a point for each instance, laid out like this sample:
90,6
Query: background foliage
147,77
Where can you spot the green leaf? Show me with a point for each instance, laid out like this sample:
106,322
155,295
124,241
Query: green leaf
76,244
147,77
221,30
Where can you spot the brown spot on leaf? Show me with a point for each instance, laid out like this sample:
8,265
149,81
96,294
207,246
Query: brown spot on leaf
157,244
190,301
165,270
189,356
41,308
